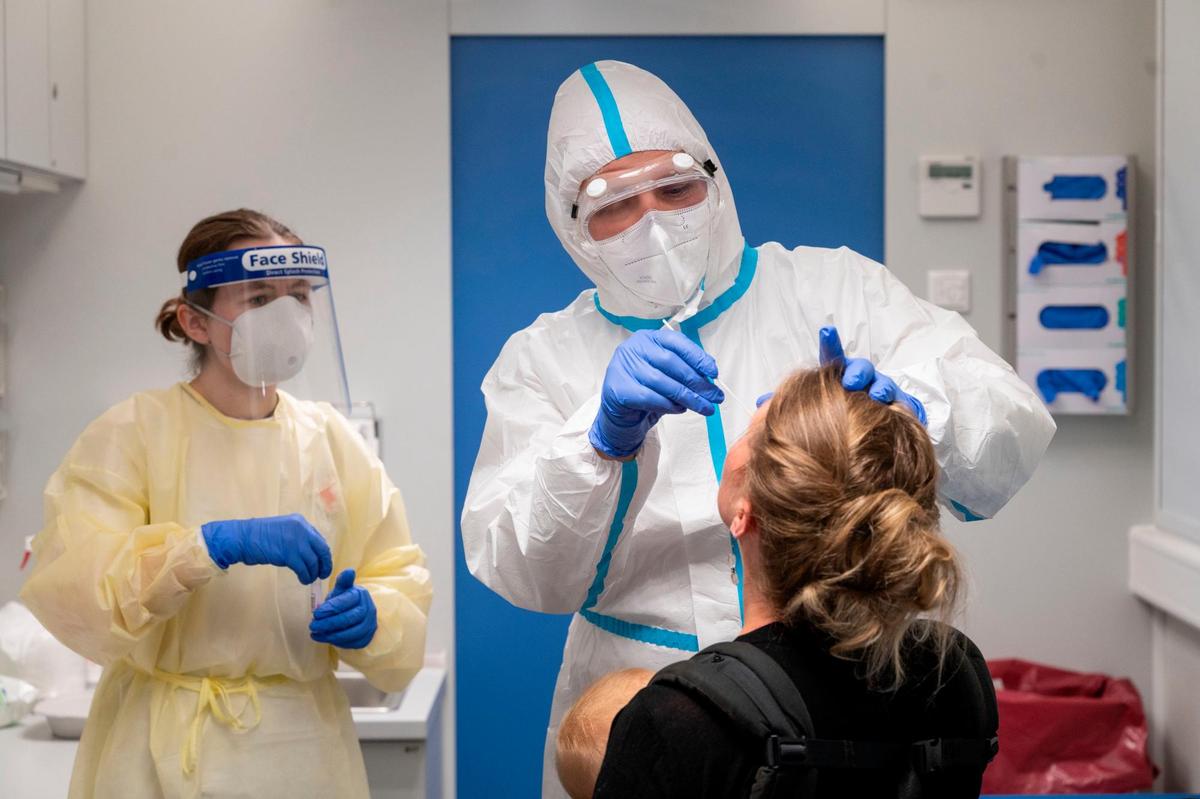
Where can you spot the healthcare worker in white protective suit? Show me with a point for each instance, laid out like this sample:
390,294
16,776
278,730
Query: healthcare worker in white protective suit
221,544
595,487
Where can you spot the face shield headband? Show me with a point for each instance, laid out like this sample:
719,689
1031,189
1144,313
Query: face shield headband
257,263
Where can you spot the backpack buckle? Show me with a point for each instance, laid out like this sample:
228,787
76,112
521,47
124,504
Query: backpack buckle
786,754
773,751
927,755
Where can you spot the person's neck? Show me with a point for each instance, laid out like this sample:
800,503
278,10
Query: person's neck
232,397
756,610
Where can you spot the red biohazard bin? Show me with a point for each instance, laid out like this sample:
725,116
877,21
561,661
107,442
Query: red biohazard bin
1066,732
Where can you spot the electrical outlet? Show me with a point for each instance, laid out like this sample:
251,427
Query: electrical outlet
950,289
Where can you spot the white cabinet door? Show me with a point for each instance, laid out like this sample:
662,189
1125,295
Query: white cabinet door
27,73
68,106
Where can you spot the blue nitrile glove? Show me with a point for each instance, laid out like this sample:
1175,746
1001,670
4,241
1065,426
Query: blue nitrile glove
651,373
859,375
288,541
346,619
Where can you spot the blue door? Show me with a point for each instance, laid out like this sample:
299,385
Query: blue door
798,123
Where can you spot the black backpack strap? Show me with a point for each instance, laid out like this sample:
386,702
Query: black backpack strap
925,757
935,754
822,753
749,688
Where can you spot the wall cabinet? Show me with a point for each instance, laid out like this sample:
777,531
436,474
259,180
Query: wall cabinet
44,80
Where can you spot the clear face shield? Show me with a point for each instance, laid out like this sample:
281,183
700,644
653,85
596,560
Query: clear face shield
652,227
272,317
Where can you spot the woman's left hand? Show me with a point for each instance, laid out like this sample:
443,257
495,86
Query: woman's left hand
346,619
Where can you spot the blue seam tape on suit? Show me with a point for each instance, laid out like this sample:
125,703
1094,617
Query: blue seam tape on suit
629,478
745,276
717,449
608,109
625,629
631,323
968,514
642,632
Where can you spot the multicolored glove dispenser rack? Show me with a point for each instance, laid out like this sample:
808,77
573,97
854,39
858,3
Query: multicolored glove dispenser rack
1069,259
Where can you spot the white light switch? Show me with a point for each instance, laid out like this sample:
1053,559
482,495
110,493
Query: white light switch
950,288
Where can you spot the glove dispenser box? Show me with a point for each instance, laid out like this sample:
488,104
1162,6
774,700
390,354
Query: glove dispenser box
1087,317
1084,189
1069,262
1051,254
1078,381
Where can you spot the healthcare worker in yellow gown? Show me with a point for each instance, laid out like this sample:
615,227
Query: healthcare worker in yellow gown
221,544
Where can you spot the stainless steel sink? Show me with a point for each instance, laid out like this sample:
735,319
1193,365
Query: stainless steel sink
365,697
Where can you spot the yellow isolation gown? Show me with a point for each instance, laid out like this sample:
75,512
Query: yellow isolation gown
211,685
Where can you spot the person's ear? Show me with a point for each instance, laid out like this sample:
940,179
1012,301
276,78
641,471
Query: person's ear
194,323
743,523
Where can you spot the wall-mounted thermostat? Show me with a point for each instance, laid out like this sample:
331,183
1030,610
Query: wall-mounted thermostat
949,186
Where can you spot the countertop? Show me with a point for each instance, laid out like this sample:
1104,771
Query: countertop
409,721
33,763
36,765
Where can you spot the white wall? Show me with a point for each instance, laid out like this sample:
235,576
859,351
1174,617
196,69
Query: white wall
1176,644
332,116
1179,455
1037,77
1175,708
665,17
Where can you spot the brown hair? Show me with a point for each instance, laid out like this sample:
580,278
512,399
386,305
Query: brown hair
215,233
583,733
844,493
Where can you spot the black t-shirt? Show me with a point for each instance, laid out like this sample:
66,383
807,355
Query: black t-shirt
666,744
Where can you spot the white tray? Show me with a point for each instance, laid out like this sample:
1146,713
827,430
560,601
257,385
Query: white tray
66,714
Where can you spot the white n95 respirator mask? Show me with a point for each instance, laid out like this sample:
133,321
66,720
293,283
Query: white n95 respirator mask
269,344
663,257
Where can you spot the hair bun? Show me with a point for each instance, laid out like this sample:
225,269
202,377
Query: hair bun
880,512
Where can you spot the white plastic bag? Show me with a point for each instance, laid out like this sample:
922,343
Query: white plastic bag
29,652
16,700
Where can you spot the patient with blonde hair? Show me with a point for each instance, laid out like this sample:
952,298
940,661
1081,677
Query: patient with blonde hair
583,734
849,591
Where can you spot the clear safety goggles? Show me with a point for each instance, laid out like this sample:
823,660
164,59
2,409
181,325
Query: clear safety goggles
611,203
277,306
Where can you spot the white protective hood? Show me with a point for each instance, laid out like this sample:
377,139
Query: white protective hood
602,112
